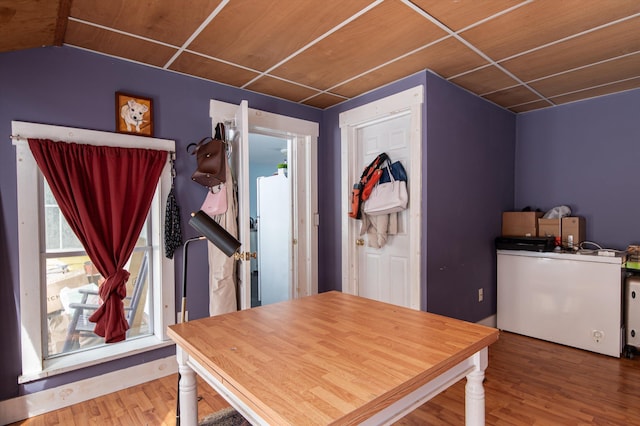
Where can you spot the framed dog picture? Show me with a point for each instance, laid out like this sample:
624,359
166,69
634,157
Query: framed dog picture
134,114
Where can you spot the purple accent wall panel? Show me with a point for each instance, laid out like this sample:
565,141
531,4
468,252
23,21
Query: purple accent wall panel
468,151
469,182
584,155
70,87
478,160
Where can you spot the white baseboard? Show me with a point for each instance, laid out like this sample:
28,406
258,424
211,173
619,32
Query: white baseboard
23,407
490,321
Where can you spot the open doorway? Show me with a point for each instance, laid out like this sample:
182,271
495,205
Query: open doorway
302,138
270,219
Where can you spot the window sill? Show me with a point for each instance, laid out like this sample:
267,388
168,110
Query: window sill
79,360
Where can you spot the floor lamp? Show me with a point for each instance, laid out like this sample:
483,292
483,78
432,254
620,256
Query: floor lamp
223,240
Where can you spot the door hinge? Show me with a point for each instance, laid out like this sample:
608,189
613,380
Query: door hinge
245,255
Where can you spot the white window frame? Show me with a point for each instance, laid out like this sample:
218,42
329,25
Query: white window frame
31,239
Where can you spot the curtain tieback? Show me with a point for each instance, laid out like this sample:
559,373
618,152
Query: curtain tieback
115,284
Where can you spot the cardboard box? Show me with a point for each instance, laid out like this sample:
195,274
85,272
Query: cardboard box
520,224
549,227
576,226
55,284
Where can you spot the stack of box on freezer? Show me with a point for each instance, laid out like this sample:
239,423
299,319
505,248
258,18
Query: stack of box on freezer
571,229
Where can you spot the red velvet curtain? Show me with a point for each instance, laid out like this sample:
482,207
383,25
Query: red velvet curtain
104,194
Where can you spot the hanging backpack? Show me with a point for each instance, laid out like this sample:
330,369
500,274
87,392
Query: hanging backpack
211,157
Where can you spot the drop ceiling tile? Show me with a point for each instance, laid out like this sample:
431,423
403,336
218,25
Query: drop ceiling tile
606,43
485,80
530,106
603,73
446,58
460,14
633,83
36,22
543,21
369,81
282,89
260,33
117,44
387,31
324,100
211,69
512,96
168,21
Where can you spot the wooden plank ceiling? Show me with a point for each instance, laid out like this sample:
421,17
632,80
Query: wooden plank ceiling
521,55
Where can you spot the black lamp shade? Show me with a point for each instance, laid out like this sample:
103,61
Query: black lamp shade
214,232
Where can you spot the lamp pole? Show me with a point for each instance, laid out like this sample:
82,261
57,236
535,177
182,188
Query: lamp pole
223,240
184,275
183,309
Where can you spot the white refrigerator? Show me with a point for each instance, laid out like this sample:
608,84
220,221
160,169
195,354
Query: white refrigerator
274,238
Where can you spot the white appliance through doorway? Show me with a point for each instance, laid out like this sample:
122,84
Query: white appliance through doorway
274,238
271,219
394,125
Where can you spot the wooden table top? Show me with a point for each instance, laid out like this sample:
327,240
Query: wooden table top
328,358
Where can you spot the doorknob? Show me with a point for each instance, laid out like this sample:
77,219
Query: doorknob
359,242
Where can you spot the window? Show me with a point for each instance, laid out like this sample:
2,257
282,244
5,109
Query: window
72,282
54,267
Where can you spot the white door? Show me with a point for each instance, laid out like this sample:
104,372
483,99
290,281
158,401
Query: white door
304,193
393,125
383,273
240,168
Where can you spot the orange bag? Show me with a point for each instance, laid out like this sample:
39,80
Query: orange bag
368,187
356,202
368,180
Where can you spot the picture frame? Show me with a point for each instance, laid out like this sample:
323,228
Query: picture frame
134,114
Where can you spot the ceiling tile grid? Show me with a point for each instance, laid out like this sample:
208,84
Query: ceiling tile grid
519,54
166,21
259,34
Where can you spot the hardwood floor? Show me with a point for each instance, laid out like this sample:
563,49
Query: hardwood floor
528,382
532,382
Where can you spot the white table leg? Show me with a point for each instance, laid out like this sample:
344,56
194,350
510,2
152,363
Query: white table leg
188,390
474,391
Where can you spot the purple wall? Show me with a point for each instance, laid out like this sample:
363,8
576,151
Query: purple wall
584,155
469,182
71,87
581,154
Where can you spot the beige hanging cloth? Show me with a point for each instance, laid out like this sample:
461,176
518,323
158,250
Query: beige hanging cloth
378,228
222,269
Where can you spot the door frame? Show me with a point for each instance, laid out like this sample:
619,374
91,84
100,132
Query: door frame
304,135
409,101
